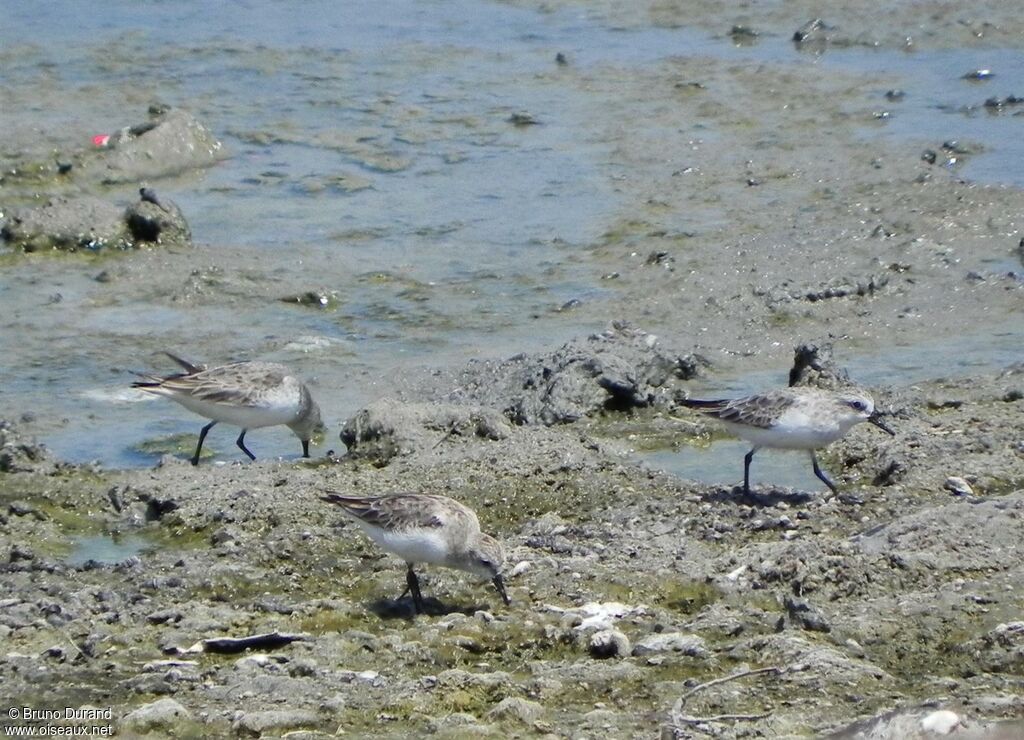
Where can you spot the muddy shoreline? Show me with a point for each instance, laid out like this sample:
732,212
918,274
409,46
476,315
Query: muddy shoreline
902,593
755,211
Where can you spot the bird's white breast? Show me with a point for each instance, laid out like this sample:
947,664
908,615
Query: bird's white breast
413,545
247,417
798,428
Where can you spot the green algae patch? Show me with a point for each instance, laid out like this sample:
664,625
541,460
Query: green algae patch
646,430
509,649
237,588
177,536
917,652
686,597
511,504
328,621
58,509
680,596
181,445
999,486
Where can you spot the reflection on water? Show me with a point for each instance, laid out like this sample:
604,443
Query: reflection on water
106,549
721,463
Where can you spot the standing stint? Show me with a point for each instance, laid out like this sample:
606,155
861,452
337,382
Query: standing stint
421,528
245,394
792,419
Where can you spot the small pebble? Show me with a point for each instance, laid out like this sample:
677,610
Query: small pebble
609,644
979,74
958,486
523,119
941,722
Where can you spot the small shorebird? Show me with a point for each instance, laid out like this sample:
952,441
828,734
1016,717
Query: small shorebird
245,394
422,528
797,418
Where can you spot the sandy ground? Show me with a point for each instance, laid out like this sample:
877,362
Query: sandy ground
631,589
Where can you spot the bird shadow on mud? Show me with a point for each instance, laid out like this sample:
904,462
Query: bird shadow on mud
757,497
403,608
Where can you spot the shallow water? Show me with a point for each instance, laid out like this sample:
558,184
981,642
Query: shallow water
942,107
373,159
722,463
106,549
722,460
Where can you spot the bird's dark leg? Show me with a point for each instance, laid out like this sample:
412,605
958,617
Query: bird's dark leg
412,585
821,474
202,436
241,444
746,469
305,448
499,583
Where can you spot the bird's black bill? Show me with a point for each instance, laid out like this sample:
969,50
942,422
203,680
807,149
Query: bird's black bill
499,584
874,419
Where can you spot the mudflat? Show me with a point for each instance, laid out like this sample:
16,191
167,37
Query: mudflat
758,206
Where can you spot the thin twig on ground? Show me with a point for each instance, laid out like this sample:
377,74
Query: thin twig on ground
678,718
688,720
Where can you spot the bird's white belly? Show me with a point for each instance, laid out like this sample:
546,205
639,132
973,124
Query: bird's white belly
247,417
792,432
414,546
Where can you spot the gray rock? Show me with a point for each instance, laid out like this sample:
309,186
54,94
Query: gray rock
600,718
814,365
163,616
926,723
462,731
257,723
807,616
1002,649
170,142
966,534
335,704
160,714
456,678
618,369
159,222
812,32
820,664
609,644
514,708
453,720
20,454
303,667
68,224
387,428
958,486
672,642
90,223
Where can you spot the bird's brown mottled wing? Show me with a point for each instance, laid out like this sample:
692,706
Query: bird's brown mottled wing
230,384
757,411
400,510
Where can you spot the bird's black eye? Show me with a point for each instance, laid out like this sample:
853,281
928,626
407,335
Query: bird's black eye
858,405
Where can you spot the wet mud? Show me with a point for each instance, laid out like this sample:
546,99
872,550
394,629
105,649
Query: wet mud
731,208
